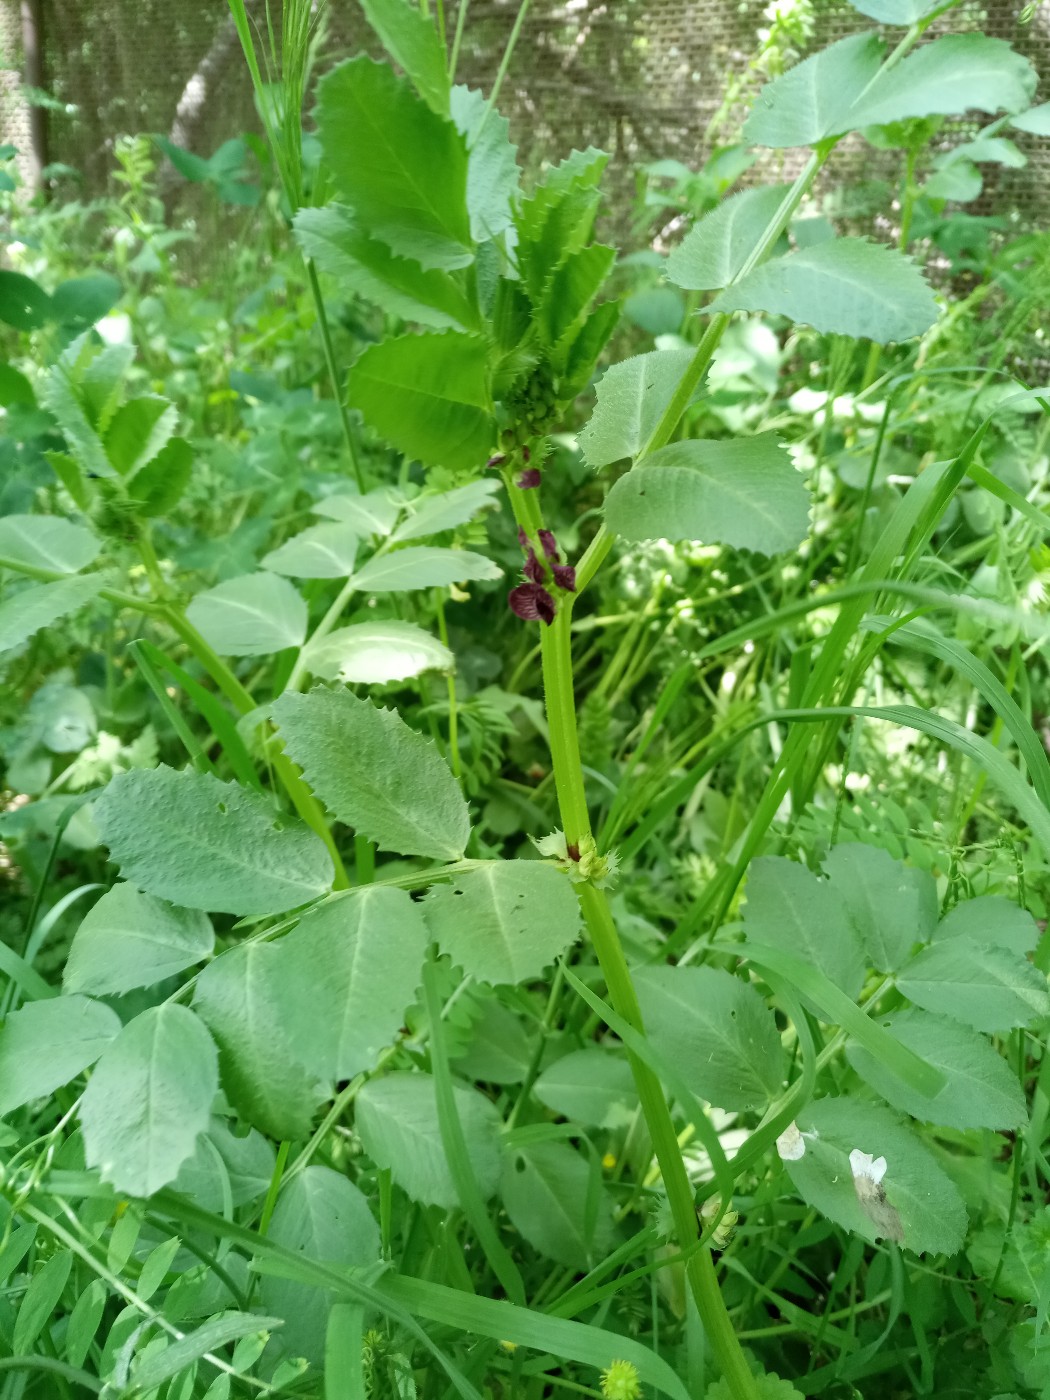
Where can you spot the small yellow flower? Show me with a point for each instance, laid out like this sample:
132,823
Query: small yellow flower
608,1161
621,1382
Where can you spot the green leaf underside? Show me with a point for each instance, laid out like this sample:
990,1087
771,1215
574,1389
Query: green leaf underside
592,1087
988,988
377,653
383,145
1036,120
149,1096
430,515
45,1044
163,1364
717,1031
189,838
546,1190
632,396
412,41
47,542
788,907
811,101
253,615
980,1089
892,906
744,492
900,12
428,395
423,566
505,922
846,287
492,170
129,939
990,919
225,1166
30,609
717,246
397,1120
320,551
931,1210
371,514
375,773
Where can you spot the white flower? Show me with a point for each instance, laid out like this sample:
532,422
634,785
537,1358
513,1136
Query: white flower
864,1166
790,1144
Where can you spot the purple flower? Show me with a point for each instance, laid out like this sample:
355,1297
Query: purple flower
550,547
533,569
529,478
530,601
496,461
564,576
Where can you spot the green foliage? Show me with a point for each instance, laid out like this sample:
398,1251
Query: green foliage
250,616
130,939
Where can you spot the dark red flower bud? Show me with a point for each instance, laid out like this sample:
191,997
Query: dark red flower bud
523,538
564,576
496,461
531,602
533,569
526,455
550,547
529,478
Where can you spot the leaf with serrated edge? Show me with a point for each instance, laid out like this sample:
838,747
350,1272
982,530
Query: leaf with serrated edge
989,988
788,907
990,919
717,246
429,515
892,906
30,609
46,542
811,101
632,396
377,653
956,73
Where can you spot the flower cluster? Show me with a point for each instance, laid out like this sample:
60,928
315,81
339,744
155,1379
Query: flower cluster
532,599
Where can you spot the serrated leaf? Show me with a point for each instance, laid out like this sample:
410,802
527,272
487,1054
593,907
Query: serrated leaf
333,239
812,101
931,1210
571,289
30,609
189,838
492,168
956,73
149,1096
129,939
397,1120
767,1387
989,988
900,12
46,542
547,1192
422,566
717,246
412,41
990,919
82,391
981,1091
716,1030
252,615
430,515
592,1087
375,773
320,551
383,144
45,1044
259,1022
377,653
892,906
743,492
845,287
138,431
371,514
428,395
632,396
788,907
505,922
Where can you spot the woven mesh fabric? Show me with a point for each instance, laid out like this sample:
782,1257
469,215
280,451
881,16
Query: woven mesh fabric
642,79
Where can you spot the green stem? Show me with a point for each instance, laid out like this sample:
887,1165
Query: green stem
453,709
457,40
508,53
333,373
301,670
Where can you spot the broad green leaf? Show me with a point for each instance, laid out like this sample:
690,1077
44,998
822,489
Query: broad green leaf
422,566
430,515
960,182
23,303
397,1120
39,1304
226,1164
81,301
594,1088
987,987
931,1210
981,1091
335,241
892,906
25,612
383,144
358,959
45,1044
138,431
149,1096
845,287
320,551
504,922
554,1201
261,1024
813,101
428,395
1036,120
956,73
716,1030
46,542
900,12
371,514
84,1320
153,1369
990,919
743,492
788,907
377,653
500,1049
189,838
492,169
572,288
990,150
412,42
323,1216
632,396
129,939
375,773
717,246
158,486
252,615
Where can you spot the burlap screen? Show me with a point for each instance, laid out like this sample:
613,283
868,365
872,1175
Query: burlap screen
640,78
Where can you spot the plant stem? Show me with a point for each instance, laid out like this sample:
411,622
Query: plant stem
457,40
333,373
508,53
